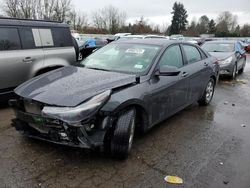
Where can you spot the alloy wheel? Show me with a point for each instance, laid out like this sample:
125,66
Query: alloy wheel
209,91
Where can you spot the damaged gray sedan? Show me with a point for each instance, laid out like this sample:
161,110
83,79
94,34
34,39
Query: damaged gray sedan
124,87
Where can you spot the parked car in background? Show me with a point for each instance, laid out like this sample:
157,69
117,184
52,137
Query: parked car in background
119,35
129,37
126,85
191,40
177,37
29,48
88,44
182,38
230,54
247,42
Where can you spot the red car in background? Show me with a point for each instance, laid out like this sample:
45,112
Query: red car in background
248,48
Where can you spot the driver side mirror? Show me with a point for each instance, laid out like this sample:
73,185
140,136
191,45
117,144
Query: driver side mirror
167,71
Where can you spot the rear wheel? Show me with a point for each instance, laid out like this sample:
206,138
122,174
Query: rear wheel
208,93
123,137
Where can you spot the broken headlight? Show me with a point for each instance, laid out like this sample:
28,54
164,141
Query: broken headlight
74,115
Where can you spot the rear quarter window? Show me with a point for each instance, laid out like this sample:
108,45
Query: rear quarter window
9,39
61,37
192,54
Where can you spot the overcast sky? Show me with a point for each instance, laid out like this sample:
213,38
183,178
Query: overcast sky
159,11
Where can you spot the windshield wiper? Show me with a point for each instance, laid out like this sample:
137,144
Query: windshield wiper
94,68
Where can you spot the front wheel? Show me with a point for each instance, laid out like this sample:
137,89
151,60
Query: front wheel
122,140
208,93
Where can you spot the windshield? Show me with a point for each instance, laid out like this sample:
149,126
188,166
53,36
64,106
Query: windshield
219,47
128,58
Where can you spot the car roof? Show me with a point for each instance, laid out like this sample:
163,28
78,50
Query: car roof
158,42
30,23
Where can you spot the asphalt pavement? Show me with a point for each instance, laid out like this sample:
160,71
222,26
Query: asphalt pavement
205,146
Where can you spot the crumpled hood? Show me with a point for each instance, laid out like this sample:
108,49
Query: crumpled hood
71,85
221,55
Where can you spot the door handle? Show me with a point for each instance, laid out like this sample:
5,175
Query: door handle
205,64
28,60
185,74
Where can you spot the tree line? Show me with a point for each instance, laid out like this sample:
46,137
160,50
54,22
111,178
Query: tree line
110,20
226,25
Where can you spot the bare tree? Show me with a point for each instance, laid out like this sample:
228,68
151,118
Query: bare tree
78,20
227,22
109,18
57,10
11,8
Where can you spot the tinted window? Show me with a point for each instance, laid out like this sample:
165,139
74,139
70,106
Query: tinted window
61,37
172,57
27,38
192,53
9,39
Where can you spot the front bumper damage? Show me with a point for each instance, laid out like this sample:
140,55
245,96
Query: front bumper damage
90,134
226,69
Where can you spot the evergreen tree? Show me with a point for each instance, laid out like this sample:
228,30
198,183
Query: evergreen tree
179,20
212,27
203,25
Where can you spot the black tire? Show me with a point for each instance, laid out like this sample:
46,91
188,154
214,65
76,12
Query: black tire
234,73
205,100
76,47
122,140
241,70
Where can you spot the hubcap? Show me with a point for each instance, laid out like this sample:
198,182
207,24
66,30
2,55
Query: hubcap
80,56
131,135
209,91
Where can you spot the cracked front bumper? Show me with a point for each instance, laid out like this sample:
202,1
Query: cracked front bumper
56,131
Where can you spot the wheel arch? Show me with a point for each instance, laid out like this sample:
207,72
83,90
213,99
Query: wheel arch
214,78
142,114
47,69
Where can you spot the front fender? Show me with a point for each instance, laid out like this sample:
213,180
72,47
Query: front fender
114,107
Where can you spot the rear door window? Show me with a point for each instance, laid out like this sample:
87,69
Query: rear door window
61,37
27,38
9,39
192,54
